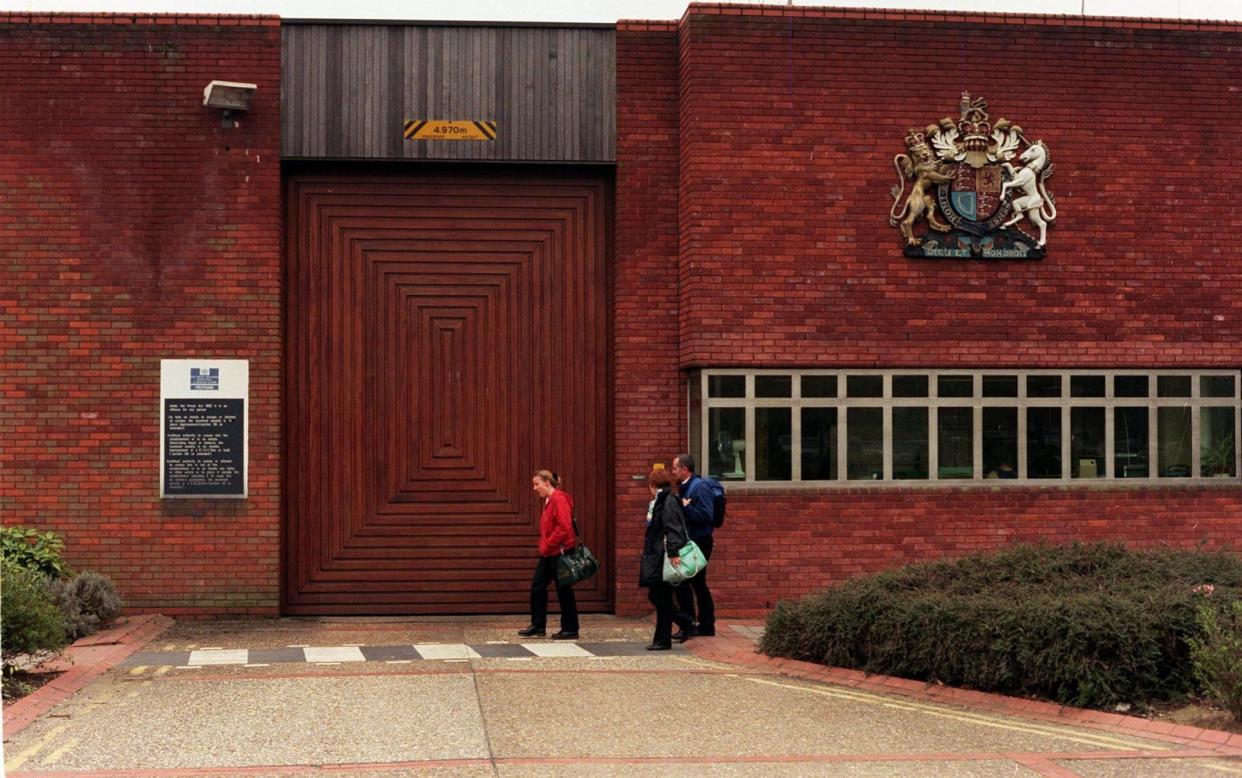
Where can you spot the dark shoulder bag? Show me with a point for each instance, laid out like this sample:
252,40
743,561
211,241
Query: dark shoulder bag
576,564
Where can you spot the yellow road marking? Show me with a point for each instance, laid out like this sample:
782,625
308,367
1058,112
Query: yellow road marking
55,756
21,758
974,718
690,660
163,669
1223,768
139,670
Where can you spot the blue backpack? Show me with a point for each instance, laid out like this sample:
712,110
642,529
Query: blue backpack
718,501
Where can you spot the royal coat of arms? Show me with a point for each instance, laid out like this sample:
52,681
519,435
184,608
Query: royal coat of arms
958,179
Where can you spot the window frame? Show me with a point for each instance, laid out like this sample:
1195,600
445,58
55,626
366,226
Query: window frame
700,406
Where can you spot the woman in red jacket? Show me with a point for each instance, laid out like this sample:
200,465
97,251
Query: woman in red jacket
556,535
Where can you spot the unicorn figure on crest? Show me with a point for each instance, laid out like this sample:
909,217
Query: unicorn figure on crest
1035,203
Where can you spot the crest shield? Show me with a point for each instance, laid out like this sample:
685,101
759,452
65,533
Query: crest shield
958,182
975,194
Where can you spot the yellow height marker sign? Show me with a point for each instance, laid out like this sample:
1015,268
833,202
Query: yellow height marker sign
426,129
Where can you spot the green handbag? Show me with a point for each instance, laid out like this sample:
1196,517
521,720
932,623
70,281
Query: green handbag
692,561
576,564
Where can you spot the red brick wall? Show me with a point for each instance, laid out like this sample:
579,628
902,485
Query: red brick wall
788,121
649,393
789,127
133,227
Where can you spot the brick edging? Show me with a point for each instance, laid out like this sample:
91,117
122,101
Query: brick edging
96,19
963,17
733,648
124,640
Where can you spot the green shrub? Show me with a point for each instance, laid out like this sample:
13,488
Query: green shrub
1088,625
36,551
87,602
1217,655
30,624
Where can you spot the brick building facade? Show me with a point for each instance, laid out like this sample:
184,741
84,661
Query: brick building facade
749,238
133,226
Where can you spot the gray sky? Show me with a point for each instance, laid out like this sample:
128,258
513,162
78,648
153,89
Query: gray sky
607,10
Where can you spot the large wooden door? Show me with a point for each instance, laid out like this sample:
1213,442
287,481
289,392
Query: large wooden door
447,337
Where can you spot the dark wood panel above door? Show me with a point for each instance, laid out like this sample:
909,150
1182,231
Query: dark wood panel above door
447,337
347,90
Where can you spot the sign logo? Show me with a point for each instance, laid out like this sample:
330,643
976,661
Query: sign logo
961,171
205,378
426,129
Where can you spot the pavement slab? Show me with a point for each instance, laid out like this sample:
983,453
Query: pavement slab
160,724
645,715
469,697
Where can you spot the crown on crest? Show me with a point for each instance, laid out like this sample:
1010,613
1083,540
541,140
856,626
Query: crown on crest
973,127
916,138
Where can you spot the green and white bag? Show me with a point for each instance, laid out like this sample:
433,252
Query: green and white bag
692,561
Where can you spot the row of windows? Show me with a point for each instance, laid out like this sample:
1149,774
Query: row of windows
899,426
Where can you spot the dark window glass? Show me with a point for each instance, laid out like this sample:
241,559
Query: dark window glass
909,386
1173,386
1216,386
695,387
1173,439
864,386
1043,442
955,386
910,443
956,441
865,444
773,386
1130,386
819,386
1043,386
726,441
819,444
726,386
1130,438
1217,447
1086,386
1000,442
1087,443
1000,386
773,444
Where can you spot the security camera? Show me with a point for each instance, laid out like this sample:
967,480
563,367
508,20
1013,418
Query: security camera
228,95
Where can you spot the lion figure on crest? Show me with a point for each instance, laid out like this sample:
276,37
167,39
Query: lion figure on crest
922,168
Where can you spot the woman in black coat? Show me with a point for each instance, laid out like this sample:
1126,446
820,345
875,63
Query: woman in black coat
667,530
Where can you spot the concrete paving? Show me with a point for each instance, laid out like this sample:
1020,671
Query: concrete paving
450,705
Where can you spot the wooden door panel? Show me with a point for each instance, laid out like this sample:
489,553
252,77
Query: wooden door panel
447,337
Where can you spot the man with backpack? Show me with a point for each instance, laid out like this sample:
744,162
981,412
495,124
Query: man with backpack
700,503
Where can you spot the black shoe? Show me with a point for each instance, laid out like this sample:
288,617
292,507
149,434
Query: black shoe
682,635
660,647
532,632
563,635
710,632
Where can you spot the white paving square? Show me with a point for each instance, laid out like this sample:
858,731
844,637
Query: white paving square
556,649
333,654
220,656
445,651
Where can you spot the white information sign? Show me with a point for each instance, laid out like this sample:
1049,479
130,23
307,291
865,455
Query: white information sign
204,427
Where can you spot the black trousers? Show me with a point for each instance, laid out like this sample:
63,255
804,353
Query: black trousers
667,612
545,573
696,590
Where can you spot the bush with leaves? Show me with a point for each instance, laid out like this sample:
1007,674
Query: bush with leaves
1089,625
35,551
87,602
30,624
1217,654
